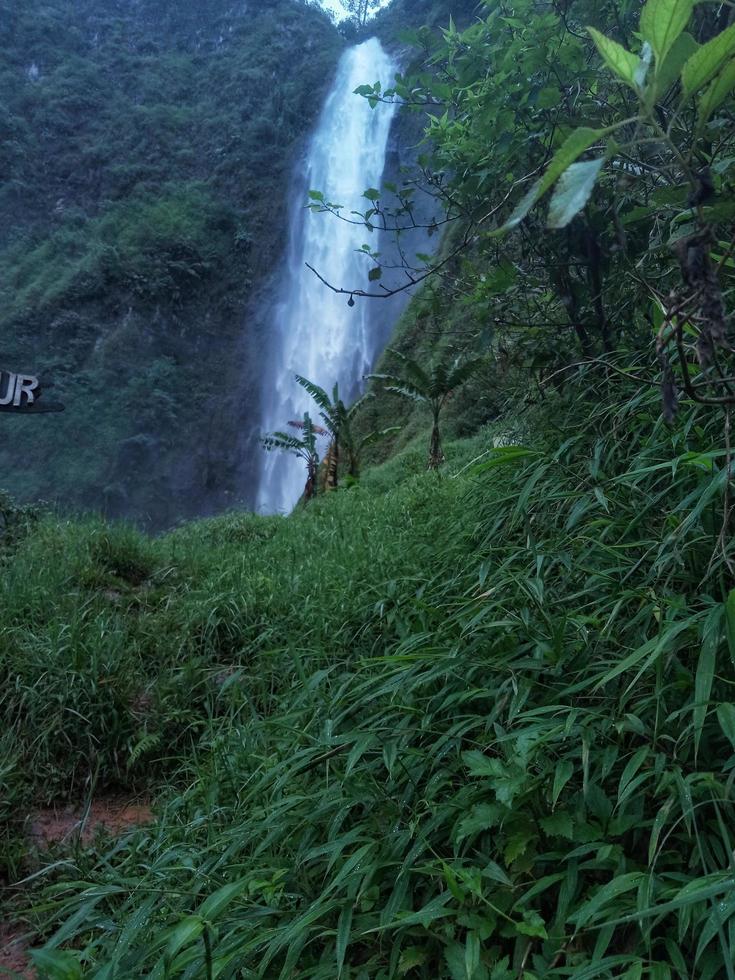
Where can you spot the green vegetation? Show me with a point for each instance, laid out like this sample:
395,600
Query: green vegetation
145,155
433,387
470,723
305,448
425,722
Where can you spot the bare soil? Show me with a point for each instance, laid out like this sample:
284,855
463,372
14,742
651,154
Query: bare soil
114,815
66,825
14,960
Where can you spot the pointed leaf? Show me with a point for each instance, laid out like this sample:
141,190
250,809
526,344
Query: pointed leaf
617,58
574,146
573,191
184,934
662,21
730,624
716,94
705,63
344,927
670,71
217,902
56,964
726,718
705,671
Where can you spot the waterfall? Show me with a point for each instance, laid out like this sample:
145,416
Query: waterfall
313,332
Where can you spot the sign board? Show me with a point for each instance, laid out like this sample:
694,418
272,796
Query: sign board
21,393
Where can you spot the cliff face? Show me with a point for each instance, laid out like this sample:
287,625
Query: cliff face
145,150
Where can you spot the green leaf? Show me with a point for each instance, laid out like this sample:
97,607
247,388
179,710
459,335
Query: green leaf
218,901
472,954
184,934
670,71
56,964
613,889
662,21
573,146
706,62
503,455
730,624
316,195
573,191
705,672
411,957
619,60
344,927
532,925
481,817
375,273
558,825
726,718
372,194
562,775
716,94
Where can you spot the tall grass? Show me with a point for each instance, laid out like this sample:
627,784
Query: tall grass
480,726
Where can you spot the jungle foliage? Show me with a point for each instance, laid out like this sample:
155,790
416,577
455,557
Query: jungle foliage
476,723
145,153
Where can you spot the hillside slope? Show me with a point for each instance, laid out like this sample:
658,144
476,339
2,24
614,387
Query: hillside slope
145,154
480,717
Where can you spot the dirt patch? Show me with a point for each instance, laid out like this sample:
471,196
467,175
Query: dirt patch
114,815
14,961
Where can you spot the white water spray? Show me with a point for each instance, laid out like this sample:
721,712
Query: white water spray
314,332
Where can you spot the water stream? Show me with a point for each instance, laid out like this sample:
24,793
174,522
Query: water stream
313,331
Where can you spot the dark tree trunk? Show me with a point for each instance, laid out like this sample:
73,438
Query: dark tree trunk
436,455
310,488
331,466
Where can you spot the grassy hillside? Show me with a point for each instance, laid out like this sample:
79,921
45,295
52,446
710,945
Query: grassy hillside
145,151
479,721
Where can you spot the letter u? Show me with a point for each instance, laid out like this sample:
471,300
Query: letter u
9,392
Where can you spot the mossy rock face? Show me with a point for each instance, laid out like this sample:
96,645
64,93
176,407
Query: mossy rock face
142,210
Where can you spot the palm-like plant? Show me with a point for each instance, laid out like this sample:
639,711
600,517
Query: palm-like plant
304,448
432,387
338,419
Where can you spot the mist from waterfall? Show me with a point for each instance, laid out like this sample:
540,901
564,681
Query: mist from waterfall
313,331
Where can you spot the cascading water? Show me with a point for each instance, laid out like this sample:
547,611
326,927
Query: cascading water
314,332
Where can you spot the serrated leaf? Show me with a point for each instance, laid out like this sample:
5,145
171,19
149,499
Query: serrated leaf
482,765
411,957
573,191
372,194
706,62
532,925
617,58
375,273
454,955
481,817
516,845
558,825
661,23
